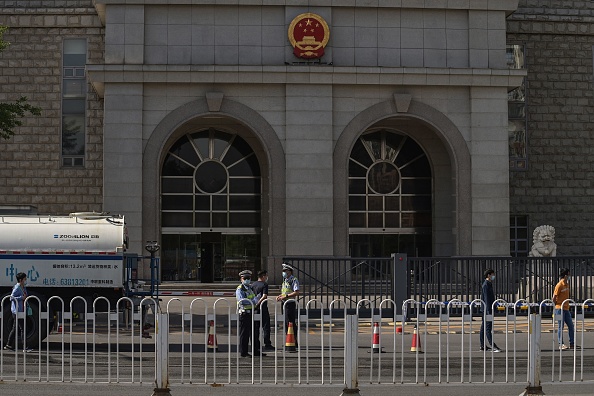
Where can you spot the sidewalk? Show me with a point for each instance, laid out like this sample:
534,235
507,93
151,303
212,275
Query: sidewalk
76,389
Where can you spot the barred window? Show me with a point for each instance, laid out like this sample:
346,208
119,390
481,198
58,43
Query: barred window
74,100
518,236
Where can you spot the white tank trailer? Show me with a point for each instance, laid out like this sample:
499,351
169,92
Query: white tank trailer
82,254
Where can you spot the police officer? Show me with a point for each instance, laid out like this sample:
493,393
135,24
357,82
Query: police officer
246,301
289,291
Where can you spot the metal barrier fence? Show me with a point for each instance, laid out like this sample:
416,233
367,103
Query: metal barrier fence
109,345
440,278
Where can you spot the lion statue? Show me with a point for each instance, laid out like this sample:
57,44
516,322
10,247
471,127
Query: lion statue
543,242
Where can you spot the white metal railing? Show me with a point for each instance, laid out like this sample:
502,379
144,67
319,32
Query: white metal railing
107,343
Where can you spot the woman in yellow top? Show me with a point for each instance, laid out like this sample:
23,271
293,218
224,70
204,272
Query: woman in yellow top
563,314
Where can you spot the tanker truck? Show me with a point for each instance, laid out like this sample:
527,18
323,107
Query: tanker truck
82,254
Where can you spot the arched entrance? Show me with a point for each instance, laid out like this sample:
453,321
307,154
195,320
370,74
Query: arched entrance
211,190
231,118
390,195
448,156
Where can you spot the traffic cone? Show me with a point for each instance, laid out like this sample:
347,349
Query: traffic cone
290,339
416,342
60,330
375,347
212,338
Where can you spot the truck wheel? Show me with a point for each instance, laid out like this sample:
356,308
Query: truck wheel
33,327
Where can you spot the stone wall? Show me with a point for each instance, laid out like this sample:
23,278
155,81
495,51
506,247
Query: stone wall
30,162
558,185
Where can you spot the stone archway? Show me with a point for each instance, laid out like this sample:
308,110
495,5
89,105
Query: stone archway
177,122
455,145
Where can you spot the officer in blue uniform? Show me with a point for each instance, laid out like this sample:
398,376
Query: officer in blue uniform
246,302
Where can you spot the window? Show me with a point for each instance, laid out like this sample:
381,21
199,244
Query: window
390,184
518,236
74,100
211,179
516,99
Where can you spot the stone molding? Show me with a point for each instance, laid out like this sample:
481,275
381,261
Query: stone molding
101,74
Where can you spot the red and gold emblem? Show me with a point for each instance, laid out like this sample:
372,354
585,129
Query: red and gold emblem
309,34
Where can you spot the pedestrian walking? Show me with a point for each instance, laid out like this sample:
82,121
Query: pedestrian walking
246,301
260,288
488,298
17,304
562,313
289,291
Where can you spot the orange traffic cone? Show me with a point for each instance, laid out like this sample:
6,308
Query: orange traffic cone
290,339
212,338
416,342
375,343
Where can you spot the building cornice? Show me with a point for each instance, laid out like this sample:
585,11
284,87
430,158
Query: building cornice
100,75
491,5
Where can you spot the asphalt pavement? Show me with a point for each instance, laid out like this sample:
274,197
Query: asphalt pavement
8,388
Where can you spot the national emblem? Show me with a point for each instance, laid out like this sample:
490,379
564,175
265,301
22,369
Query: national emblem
309,34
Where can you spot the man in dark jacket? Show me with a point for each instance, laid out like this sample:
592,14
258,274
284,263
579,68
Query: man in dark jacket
488,297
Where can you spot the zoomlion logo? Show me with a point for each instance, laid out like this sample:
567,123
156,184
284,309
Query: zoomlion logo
309,33
77,236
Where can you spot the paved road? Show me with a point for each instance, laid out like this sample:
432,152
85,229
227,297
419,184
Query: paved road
68,389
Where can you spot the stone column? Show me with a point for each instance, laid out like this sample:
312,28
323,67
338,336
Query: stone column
490,171
308,149
122,157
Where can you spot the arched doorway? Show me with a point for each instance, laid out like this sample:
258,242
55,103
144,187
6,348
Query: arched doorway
211,194
389,195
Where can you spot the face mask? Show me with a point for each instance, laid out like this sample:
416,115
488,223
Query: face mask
568,277
492,277
265,279
246,282
284,274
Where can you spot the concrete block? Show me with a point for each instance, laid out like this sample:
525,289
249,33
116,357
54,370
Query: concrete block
179,35
388,57
274,36
388,18
411,57
226,35
156,55
202,35
388,38
155,35
434,58
343,17
411,38
226,55
434,19
179,54
457,20
179,15
434,38
343,37
412,18
366,57
250,36
365,17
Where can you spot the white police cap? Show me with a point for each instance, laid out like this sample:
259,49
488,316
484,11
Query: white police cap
245,273
287,267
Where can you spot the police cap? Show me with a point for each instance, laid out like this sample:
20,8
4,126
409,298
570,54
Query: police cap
287,267
245,273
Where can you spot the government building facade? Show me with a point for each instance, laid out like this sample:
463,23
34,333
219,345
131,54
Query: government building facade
236,133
